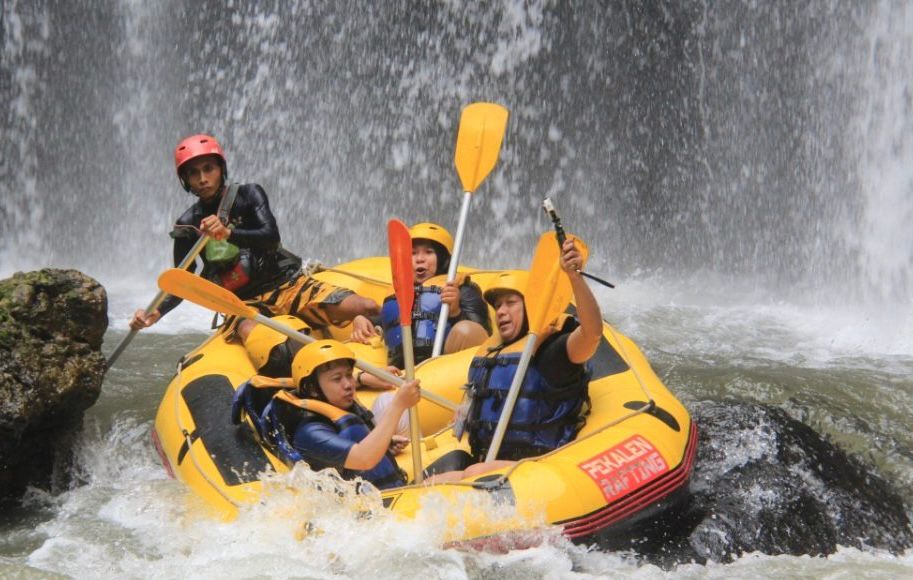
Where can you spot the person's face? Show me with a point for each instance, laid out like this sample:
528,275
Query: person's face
424,261
203,175
509,315
337,383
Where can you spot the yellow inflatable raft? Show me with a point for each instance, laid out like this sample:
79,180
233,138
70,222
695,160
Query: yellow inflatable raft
632,459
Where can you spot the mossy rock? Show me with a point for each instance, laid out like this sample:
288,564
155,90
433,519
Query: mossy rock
51,369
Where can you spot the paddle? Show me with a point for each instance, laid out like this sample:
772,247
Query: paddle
547,295
204,293
159,298
478,143
400,245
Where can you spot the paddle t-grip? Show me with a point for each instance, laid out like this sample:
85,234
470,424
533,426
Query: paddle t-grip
552,213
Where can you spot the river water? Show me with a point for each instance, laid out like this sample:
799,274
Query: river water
742,172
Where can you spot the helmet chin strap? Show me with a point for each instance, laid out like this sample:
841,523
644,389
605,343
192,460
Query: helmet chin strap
310,388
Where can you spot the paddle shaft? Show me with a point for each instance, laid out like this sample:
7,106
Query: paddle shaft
479,138
415,433
218,299
507,410
451,274
367,367
552,213
159,298
544,300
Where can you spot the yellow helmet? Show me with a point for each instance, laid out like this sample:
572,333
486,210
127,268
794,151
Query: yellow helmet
318,353
433,232
262,339
509,281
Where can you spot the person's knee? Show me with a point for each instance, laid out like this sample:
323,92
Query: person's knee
382,406
244,328
484,467
465,334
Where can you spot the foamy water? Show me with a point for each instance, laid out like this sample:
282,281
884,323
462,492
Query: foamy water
128,520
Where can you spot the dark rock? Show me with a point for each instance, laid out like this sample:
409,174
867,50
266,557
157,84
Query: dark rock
51,370
765,482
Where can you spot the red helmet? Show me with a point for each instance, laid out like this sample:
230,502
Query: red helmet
198,146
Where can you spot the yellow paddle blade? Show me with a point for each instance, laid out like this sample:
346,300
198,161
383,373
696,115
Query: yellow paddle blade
478,143
183,284
548,292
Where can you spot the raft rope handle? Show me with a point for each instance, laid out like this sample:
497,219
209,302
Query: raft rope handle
190,442
650,404
647,406
624,355
316,266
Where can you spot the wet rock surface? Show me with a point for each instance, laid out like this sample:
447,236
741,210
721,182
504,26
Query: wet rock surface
51,368
765,482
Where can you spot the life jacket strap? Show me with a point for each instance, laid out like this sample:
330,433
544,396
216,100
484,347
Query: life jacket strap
422,315
529,427
321,408
490,362
226,204
569,392
261,382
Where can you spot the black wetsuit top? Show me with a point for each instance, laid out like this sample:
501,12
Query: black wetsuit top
254,231
473,306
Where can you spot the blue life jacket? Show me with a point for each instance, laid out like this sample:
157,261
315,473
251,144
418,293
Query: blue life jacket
425,312
545,416
286,412
251,399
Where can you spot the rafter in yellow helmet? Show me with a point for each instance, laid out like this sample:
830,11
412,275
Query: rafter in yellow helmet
433,232
262,339
509,281
317,353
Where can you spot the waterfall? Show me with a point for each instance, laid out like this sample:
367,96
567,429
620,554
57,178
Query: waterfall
25,31
882,129
761,141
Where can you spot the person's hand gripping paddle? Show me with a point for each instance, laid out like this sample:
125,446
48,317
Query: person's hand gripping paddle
547,295
478,143
204,293
159,298
404,287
